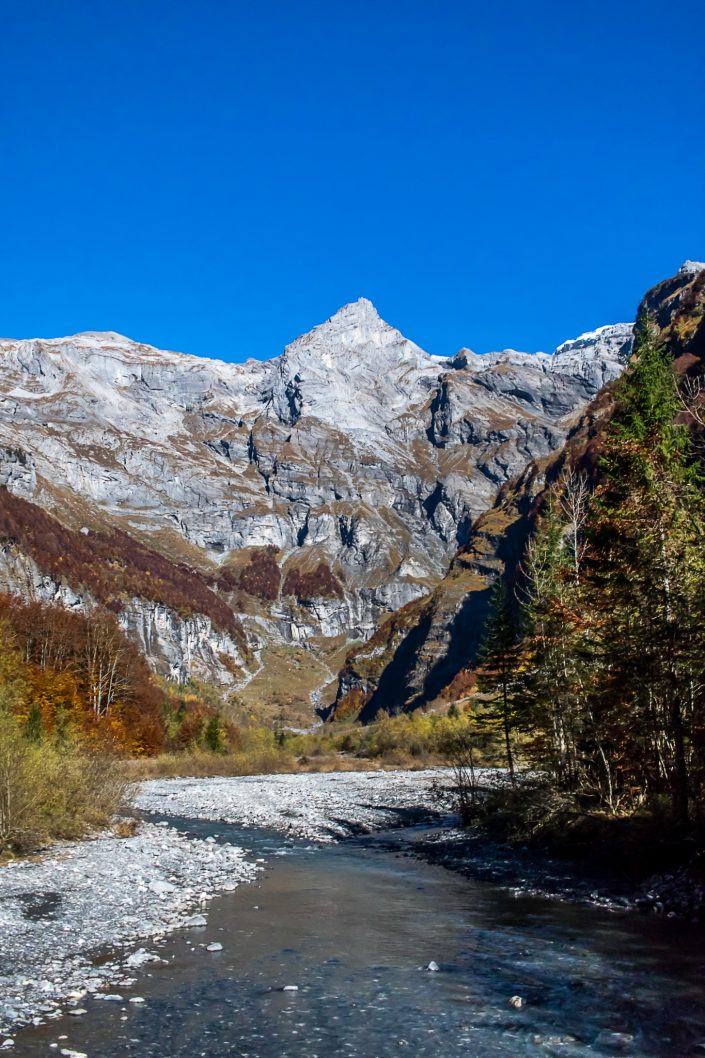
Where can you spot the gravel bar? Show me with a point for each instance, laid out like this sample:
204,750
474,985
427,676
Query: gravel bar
61,910
318,806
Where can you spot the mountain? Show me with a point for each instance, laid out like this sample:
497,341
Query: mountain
426,648
231,512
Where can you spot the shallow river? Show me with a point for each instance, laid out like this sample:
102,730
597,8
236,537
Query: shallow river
354,927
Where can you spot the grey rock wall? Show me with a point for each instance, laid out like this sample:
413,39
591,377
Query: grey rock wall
353,447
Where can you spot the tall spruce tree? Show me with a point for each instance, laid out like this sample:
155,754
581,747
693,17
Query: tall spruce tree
498,664
551,675
213,736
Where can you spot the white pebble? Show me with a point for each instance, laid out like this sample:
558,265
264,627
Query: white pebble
195,920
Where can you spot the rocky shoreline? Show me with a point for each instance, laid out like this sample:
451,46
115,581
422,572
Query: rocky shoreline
318,806
334,806
72,918
679,894
61,911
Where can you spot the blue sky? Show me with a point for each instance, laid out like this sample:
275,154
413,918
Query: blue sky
218,177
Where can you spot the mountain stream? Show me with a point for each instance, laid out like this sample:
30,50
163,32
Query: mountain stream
328,956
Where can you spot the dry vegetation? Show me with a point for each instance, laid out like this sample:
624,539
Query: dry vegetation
70,673
110,565
258,575
318,583
416,740
290,682
53,789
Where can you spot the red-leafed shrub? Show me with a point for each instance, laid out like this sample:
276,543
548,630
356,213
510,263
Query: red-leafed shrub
259,576
317,583
110,566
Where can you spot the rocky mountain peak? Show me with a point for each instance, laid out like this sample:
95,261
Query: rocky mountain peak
347,354
691,268
357,312
357,329
614,338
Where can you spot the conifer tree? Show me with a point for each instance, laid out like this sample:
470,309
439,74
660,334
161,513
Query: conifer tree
646,536
551,676
499,660
213,735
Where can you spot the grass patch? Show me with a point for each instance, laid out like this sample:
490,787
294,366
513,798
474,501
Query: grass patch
289,684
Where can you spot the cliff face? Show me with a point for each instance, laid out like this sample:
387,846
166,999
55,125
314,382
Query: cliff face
312,493
417,654
183,628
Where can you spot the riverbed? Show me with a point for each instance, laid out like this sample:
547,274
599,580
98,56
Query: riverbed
333,951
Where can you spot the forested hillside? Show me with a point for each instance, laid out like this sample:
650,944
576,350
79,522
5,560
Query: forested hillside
590,575
426,653
598,657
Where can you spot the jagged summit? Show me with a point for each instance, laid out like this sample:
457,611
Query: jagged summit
615,334
691,268
355,322
360,311
355,337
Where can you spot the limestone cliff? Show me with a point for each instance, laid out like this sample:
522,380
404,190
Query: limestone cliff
313,493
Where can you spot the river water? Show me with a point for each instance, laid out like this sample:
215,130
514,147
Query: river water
354,927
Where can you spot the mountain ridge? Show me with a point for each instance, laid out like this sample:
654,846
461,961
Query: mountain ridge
315,492
359,312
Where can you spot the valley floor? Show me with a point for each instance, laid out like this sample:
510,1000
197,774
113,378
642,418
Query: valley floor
325,807
62,909
319,806
71,918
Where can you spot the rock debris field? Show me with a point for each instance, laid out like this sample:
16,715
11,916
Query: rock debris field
318,807
59,911
72,920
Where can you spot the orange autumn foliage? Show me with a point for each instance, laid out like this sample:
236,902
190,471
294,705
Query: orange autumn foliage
66,672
